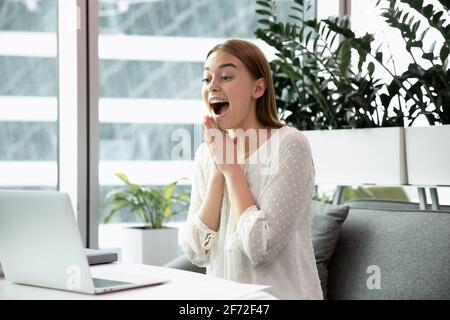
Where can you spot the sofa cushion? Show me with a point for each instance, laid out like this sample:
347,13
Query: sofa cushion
391,254
326,227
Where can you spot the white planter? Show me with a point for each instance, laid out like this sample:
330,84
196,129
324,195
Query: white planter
149,246
428,155
359,156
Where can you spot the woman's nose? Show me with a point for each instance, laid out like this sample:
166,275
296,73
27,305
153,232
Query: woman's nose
213,85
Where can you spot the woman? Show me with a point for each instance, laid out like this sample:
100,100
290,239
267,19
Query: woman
250,212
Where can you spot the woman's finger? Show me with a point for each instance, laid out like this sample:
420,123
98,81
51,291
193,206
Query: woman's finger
206,123
213,123
209,135
207,130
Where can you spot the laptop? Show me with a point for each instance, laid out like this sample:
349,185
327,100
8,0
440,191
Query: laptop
40,245
94,256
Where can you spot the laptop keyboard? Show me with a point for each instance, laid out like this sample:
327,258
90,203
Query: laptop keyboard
104,283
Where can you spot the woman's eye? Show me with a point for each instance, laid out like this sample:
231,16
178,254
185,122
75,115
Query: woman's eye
223,78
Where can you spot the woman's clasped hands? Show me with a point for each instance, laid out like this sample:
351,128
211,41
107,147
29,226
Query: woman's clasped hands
223,148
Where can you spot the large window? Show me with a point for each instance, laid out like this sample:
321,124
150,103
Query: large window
28,94
42,96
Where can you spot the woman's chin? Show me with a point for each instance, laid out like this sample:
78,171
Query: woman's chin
221,121
224,123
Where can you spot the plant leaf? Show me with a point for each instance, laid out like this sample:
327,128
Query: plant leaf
109,216
371,68
263,12
264,3
169,189
443,54
167,213
428,56
265,21
345,56
123,177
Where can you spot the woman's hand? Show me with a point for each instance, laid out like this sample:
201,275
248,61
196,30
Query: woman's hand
222,147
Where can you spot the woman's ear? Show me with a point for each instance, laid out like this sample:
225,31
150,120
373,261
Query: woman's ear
259,88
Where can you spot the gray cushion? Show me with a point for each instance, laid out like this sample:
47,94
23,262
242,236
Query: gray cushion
410,248
326,227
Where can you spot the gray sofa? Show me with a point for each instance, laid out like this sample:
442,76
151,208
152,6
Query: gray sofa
378,249
410,246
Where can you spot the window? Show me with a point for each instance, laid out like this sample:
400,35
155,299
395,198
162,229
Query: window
40,95
28,95
327,8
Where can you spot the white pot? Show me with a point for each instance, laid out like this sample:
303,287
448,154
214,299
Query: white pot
428,155
149,246
359,156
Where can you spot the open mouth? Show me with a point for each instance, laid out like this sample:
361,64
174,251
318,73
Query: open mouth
219,107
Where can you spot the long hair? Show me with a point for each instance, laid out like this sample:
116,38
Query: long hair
256,63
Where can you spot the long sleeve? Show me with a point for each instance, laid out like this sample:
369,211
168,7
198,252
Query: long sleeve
194,237
264,230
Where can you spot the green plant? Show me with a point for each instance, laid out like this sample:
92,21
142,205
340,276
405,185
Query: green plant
428,86
361,192
151,206
323,196
316,86
424,88
385,193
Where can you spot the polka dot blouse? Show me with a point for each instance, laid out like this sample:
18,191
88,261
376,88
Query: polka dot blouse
270,243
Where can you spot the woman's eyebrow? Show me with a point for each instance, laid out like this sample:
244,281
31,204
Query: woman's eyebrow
224,66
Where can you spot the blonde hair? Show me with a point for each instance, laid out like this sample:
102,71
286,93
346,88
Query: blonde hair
256,63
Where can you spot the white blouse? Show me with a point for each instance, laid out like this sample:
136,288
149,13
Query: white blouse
270,243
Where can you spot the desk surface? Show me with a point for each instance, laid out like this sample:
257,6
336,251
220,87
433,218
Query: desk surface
184,285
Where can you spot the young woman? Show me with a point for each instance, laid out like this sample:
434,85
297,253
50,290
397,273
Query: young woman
250,212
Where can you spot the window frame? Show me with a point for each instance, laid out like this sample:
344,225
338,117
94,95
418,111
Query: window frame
78,146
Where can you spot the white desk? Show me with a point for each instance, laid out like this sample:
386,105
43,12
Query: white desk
184,285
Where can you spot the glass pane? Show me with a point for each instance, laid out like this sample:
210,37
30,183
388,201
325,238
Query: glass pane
327,8
28,94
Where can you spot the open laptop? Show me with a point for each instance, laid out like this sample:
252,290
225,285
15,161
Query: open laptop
40,245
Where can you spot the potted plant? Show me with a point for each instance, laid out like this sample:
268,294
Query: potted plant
318,89
424,88
151,242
